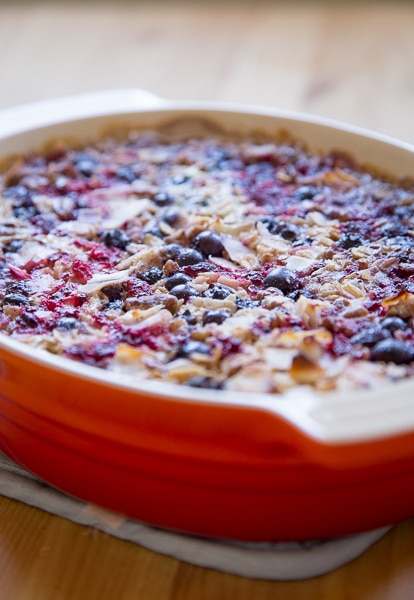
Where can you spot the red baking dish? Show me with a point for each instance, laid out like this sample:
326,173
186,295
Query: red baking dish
207,462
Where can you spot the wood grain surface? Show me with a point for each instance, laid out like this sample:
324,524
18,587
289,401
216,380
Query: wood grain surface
348,61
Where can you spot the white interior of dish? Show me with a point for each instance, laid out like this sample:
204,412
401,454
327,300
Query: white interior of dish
331,417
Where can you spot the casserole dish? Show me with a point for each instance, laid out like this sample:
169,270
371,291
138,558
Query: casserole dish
214,463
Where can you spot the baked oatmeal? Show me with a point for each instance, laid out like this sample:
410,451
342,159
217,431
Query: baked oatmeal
251,266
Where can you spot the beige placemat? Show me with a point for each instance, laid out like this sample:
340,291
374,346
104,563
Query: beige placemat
275,561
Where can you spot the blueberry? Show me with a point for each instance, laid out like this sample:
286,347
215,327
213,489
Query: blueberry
23,206
283,279
115,304
113,291
192,346
350,240
171,216
126,173
371,336
217,157
171,251
13,246
391,350
162,199
115,238
287,231
394,323
176,279
156,232
25,213
189,317
44,222
67,323
152,275
180,179
305,192
401,240
189,256
27,320
205,382
271,223
183,291
393,229
246,303
209,243
86,166
18,287
217,292
15,299
215,316
18,192
405,212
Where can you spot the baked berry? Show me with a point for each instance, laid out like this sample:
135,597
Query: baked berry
15,299
18,287
205,382
27,319
183,291
86,166
305,192
189,317
393,229
176,279
153,275
114,291
371,336
13,246
189,256
156,232
67,323
126,173
180,179
283,279
25,213
391,350
171,216
17,192
171,251
350,240
215,316
115,238
287,231
242,303
394,323
162,199
191,347
217,292
209,243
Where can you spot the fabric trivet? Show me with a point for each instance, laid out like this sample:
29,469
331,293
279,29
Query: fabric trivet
273,561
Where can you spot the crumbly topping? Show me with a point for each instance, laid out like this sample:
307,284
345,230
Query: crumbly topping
223,265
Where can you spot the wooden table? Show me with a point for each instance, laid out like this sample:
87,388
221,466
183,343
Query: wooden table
353,62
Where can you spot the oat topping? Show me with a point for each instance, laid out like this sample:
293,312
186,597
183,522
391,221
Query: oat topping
214,264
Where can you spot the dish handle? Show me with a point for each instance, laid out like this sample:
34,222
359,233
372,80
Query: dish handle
47,112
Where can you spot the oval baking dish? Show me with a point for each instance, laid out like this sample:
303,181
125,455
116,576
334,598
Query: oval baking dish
213,463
